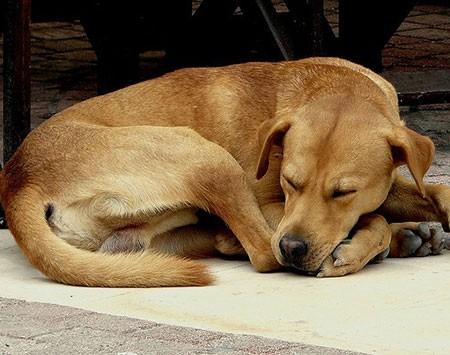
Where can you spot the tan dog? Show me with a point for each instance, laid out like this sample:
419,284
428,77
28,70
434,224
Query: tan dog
128,171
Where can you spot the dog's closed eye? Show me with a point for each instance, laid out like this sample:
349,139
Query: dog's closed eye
338,193
293,185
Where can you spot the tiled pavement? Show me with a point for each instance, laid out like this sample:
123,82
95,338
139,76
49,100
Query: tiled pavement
40,328
422,42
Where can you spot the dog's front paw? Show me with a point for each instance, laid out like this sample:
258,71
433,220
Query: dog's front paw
416,239
227,244
343,261
265,262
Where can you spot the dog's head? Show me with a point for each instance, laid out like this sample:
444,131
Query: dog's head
339,155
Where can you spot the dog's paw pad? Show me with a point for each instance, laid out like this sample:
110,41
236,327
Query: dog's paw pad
409,242
437,241
420,241
424,231
424,250
447,243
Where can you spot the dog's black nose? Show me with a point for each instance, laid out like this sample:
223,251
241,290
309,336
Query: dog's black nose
293,249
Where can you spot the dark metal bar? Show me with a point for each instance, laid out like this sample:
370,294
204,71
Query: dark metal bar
207,42
211,11
178,28
366,27
112,31
269,15
314,35
317,27
265,10
16,101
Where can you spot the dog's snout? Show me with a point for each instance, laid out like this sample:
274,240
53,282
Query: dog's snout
293,249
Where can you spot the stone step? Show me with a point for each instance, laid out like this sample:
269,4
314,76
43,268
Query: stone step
422,87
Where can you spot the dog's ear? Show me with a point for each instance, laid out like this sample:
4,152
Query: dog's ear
414,150
270,132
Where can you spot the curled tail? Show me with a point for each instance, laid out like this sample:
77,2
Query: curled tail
67,264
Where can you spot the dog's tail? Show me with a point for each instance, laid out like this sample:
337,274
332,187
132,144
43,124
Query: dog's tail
67,264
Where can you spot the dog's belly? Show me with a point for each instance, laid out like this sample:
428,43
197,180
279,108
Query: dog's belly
124,233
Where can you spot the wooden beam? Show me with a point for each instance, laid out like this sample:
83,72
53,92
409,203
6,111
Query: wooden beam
16,101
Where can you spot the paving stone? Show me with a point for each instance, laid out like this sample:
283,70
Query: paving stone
52,46
400,39
428,33
80,55
59,65
407,25
444,26
53,24
51,329
432,9
432,19
392,64
36,50
435,63
431,47
416,12
58,33
445,56
405,52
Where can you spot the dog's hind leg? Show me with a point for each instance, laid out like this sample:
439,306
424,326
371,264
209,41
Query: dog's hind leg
139,237
194,241
407,206
405,203
171,169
